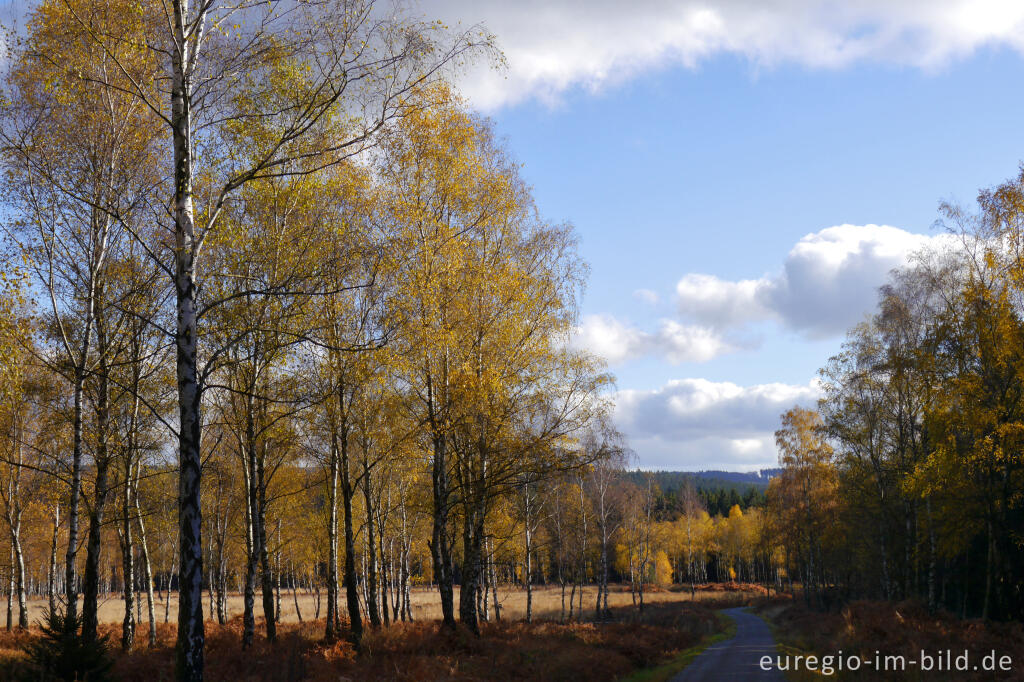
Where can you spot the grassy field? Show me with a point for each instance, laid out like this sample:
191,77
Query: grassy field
426,604
671,623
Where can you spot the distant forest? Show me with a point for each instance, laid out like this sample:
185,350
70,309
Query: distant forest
718,490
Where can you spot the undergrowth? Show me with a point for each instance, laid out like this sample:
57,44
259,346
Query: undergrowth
542,650
904,629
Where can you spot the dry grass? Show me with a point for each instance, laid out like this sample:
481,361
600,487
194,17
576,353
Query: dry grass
510,650
426,603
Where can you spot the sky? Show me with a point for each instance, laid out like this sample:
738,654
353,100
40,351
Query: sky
743,175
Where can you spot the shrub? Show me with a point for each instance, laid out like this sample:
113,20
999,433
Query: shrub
61,654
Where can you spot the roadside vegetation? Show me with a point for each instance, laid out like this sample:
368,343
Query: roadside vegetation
509,650
905,629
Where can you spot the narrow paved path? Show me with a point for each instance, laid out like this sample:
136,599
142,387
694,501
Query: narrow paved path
737,658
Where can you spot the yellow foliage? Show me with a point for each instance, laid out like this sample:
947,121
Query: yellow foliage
662,569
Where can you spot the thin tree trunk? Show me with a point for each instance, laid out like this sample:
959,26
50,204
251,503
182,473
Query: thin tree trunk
267,582
384,559
70,587
295,592
494,584
331,632
170,576
351,586
527,576
440,551
127,560
484,589
370,555
252,536
10,591
211,573
52,577
277,576
220,578
90,591
147,567
13,512
406,548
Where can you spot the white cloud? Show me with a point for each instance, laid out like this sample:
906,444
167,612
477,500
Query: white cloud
696,423
688,343
648,296
692,408
831,278
747,444
712,452
828,282
617,342
719,302
554,45
605,336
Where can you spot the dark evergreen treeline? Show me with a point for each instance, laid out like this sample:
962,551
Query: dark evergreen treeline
717,494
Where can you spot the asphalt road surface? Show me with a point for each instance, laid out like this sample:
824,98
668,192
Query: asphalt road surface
737,658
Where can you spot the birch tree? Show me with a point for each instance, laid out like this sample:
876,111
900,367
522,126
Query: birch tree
78,162
310,81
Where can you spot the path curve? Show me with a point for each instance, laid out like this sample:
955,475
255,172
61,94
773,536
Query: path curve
737,658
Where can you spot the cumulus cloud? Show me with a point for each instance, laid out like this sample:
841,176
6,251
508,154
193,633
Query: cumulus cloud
554,45
828,282
718,302
618,342
609,338
648,296
688,343
696,423
696,408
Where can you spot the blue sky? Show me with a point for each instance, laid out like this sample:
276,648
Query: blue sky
722,169
727,190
